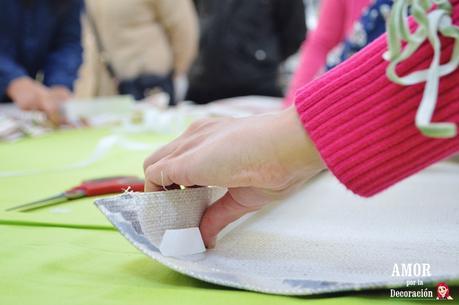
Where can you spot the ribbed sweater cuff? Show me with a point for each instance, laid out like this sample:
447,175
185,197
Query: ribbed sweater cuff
363,124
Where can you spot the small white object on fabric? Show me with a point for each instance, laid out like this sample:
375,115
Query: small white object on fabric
182,242
323,239
169,220
175,209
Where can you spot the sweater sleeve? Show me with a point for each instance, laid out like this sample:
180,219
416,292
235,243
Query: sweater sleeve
363,124
330,31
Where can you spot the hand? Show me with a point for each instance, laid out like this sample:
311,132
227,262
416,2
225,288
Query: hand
60,94
29,94
259,158
57,96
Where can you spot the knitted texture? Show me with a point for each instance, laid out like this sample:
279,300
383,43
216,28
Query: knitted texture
363,124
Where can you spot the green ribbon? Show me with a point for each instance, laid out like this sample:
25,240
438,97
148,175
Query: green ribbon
430,23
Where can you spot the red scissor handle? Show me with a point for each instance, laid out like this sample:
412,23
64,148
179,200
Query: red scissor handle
105,186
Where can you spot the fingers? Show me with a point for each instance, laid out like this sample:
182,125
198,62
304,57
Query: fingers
160,168
167,149
219,215
52,111
60,93
157,177
160,154
180,142
168,174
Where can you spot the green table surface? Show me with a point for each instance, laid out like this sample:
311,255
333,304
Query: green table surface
70,254
55,151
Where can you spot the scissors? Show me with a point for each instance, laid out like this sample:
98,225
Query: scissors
88,188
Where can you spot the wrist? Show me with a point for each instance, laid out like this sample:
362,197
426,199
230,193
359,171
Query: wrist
299,151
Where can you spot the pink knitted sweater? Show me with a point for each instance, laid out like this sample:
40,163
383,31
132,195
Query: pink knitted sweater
363,124
335,22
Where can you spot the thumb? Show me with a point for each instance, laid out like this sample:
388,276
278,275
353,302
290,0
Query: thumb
51,109
219,215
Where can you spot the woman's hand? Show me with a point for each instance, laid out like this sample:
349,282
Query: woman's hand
259,159
58,95
29,94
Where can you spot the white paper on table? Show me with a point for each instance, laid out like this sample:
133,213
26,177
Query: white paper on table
99,111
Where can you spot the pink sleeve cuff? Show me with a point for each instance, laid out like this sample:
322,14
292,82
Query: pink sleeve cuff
363,124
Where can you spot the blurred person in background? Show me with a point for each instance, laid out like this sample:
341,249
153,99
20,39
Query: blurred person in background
370,130
370,26
40,52
242,45
336,20
136,46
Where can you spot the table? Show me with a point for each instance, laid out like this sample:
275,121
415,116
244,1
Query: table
70,254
